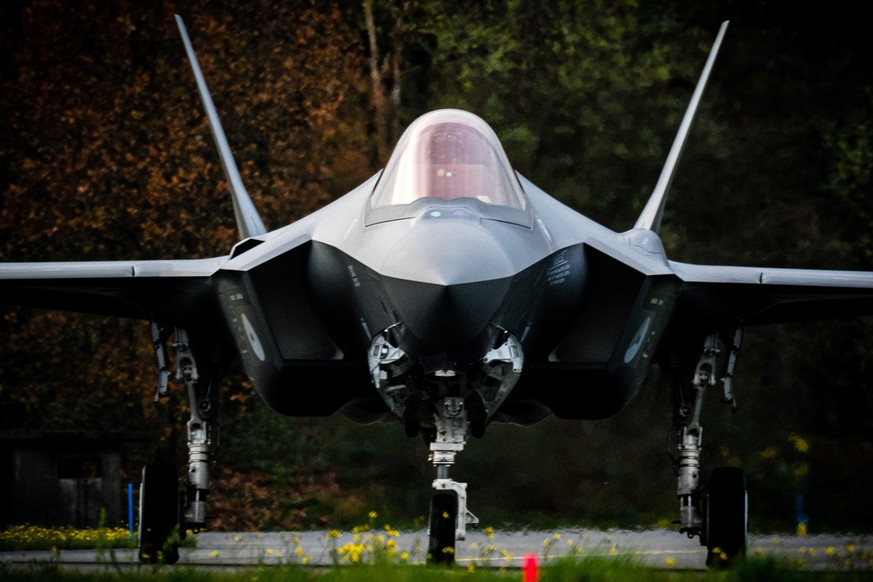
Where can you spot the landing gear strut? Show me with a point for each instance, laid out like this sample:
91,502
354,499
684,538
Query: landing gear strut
200,432
165,514
718,516
449,515
477,389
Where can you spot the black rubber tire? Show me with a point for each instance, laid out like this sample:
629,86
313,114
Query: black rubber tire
159,514
443,515
727,517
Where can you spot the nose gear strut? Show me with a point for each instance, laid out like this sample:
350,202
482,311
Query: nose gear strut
449,515
483,383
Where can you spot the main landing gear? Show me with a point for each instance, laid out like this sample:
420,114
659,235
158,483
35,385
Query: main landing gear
165,512
718,514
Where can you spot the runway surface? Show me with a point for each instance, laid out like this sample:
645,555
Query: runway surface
654,548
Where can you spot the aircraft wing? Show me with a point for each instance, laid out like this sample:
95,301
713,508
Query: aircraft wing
177,291
716,296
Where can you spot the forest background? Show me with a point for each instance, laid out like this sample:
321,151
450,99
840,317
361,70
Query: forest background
105,154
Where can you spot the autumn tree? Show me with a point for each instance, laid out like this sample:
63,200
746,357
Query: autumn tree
106,155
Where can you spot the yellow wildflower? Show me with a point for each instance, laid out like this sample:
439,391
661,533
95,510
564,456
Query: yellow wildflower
801,529
799,442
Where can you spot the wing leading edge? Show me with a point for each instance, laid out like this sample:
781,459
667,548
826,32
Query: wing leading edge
719,296
178,291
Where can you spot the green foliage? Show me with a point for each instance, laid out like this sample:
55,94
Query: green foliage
848,181
562,83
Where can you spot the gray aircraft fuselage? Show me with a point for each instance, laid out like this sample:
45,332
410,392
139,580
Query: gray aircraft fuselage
445,280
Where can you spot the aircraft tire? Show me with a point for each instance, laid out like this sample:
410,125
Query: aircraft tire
443,515
159,514
727,517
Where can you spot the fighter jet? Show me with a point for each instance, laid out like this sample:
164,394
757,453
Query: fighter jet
447,292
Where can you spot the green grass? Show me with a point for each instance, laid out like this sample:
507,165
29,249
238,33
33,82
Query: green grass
563,570
374,555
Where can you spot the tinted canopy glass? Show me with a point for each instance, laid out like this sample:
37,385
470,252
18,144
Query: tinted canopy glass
448,155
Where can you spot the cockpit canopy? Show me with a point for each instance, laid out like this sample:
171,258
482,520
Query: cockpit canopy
448,156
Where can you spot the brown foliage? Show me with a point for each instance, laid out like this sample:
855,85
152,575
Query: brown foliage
252,500
105,154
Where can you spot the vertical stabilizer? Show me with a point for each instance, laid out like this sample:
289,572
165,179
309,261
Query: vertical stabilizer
248,221
651,216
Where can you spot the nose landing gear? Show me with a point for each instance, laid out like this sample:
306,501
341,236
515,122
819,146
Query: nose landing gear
449,515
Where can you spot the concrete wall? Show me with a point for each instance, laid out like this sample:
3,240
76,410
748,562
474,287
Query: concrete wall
61,479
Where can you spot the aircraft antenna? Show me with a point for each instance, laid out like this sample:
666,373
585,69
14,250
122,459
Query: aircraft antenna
248,220
650,218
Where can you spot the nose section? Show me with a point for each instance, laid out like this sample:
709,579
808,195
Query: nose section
445,250
441,318
456,277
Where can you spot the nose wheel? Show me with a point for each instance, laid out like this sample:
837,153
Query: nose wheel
441,528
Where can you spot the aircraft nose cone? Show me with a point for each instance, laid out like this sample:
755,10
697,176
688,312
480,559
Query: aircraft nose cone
457,277
440,318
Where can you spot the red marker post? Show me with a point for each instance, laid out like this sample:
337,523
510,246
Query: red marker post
530,569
